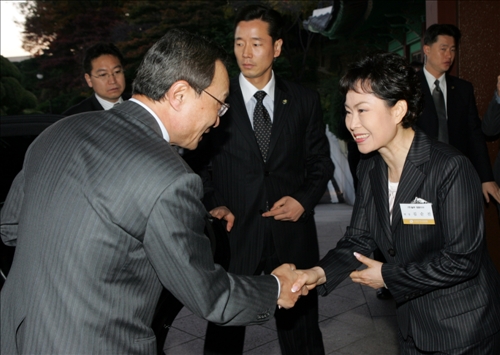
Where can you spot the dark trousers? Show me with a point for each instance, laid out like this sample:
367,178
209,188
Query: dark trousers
298,329
488,346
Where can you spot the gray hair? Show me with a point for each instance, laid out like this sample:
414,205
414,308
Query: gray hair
178,55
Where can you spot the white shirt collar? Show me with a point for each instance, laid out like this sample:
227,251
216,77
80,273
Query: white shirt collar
431,79
160,123
248,90
106,104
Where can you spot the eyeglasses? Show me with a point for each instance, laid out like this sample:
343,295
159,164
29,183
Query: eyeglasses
224,107
106,76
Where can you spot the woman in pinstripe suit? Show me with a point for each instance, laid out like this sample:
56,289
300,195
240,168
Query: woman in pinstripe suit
446,287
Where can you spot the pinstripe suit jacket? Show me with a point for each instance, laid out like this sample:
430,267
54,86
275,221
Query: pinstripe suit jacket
445,285
103,214
298,165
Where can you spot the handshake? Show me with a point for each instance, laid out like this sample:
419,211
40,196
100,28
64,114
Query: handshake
295,283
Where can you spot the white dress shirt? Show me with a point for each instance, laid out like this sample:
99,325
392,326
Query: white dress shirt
160,123
248,90
442,85
106,105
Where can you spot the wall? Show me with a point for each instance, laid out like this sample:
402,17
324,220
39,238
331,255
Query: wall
479,63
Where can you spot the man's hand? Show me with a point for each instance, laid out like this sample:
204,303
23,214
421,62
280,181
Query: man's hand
222,212
285,209
309,278
287,276
371,276
491,188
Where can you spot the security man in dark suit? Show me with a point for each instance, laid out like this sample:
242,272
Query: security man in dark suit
270,167
450,111
103,66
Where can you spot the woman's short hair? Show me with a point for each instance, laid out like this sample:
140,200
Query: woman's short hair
389,77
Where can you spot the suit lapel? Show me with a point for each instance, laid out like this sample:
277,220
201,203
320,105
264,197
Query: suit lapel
379,184
239,116
451,99
96,105
429,119
412,176
282,110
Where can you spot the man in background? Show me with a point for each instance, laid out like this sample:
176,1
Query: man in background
270,165
103,67
105,213
491,127
450,111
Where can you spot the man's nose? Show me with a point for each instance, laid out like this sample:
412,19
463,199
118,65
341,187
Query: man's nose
247,51
111,78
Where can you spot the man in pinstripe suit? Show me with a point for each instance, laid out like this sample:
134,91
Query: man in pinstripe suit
438,269
272,195
105,212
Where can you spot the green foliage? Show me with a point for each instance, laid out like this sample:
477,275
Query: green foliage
14,97
28,100
7,69
2,92
148,21
14,93
332,102
62,30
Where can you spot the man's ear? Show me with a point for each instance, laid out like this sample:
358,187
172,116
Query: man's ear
426,49
177,95
277,47
87,79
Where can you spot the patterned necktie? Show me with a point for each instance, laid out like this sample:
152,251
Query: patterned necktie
262,124
438,98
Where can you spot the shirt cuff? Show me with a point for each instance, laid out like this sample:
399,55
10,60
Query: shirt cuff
279,285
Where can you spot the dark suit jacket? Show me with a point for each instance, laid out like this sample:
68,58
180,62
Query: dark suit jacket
298,165
464,125
89,104
445,285
491,127
101,219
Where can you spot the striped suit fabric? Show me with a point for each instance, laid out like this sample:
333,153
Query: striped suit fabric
104,213
445,285
298,164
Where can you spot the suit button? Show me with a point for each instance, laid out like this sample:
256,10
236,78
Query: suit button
266,173
391,252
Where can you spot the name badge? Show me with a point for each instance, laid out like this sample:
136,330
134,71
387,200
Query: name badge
417,213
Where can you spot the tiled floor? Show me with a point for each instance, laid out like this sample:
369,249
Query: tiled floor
352,320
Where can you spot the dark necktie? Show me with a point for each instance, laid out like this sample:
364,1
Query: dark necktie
438,97
262,124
